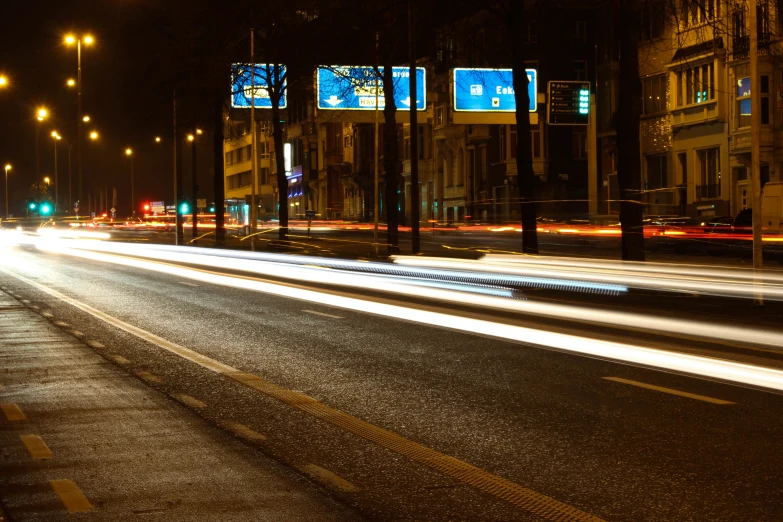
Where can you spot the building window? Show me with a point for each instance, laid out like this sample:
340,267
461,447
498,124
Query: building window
652,23
764,87
743,103
422,143
654,93
407,148
696,12
580,31
580,70
512,142
440,116
709,172
532,32
696,84
657,172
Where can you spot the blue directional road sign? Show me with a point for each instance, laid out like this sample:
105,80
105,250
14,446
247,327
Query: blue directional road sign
352,88
490,90
242,85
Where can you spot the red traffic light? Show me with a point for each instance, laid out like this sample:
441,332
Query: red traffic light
146,207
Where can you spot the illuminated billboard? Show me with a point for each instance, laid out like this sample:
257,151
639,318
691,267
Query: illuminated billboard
242,85
490,90
352,88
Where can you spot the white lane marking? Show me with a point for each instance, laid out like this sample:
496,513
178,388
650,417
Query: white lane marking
186,283
323,314
679,362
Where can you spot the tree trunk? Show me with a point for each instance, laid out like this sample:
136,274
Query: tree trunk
218,176
282,180
391,158
526,178
628,117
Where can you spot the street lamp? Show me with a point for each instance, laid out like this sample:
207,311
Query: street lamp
93,135
129,154
194,181
56,137
86,119
157,139
3,81
71,40
41,115
71,82
7,168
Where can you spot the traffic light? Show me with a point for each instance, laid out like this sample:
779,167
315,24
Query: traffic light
46,209
184,208
32,205
146,207
212,208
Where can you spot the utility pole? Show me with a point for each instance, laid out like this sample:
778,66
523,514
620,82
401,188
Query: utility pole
194,185
755,147
376,205
415,205
254,149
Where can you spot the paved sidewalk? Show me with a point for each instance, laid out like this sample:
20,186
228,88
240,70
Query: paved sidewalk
79,435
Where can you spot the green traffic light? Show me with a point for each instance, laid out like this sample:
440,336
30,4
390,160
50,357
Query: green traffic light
184,208
46,209
32,206
211,209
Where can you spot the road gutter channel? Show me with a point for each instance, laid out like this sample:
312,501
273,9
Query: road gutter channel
526,499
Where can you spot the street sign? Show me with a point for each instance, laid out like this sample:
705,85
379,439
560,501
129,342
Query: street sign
157,207
352,88
310,214
242,85
490,90
568,103
201,203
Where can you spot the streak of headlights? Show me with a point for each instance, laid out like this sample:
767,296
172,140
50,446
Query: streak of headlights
384,284
684,363
742,283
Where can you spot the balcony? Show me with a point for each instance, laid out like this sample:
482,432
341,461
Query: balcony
711,191
740,45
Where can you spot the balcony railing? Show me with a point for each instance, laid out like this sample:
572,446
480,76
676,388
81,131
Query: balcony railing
709,191
740,46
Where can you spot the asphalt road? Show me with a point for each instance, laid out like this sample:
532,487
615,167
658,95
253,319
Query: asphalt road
432,424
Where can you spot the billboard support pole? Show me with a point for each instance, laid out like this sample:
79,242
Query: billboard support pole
414,106
376,209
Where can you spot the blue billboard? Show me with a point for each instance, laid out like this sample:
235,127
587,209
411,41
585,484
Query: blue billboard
352,88
242,84
490,90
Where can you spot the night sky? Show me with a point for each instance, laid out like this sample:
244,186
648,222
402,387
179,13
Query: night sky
126,91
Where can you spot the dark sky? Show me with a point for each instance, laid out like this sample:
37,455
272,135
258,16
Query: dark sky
125,91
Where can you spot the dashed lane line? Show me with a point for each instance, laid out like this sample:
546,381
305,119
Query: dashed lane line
149,377
328,478
37,447
71,496
12,412
187,284
243,431
323,314
119,359
190,401
670,391
524,498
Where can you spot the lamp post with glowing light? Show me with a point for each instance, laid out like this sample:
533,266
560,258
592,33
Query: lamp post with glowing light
194,203
71,40
41,115
7,168
129,154
3,81
56,137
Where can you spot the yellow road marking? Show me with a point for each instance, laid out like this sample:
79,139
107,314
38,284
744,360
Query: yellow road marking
327,478
519,496
243,431
61,324
12,412
119,359
37,447
190,401
149,377
669,391
323,314
71,496
96,345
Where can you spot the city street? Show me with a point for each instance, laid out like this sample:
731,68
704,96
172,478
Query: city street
398,419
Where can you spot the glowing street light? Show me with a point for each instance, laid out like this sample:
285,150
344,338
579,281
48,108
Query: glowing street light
157,139
191,137
199,132
71,82
86,119
129,154
3,81
42,114
93,135
88,40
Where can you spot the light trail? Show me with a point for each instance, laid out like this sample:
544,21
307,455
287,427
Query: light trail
724,370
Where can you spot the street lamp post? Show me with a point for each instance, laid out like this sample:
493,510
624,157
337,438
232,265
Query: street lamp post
40,116
129,154
56,137
194,181
70,40
7,168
